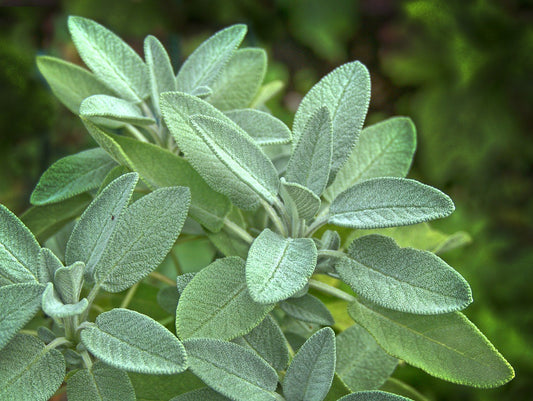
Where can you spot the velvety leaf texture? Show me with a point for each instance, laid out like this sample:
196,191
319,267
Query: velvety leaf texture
69,281
48,264
131,341
303,200
308,309
163,387
265,93
115,109
54,306
264,128
388,202
107,143
373,396
160,69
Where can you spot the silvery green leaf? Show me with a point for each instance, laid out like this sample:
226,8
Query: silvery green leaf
143,236
446,346
216,303
100,383
72,175
134,342
201,394
264,128
54,307
374,395
70,83
239,80
159,68
308,309
280,155
113,108
361,362
403,279
18,304
182,281
107,143
19,250
302,199
44,333
232,370
387,202
204,65
167,298
330,240
346,93
311,371
113,62
163,387
29,370
311,159
229,245
202,92
278,267
265,93
395,386
68,282
113,174
384,149
91,234
48,264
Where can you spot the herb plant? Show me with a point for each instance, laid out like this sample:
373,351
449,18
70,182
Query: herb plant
305,223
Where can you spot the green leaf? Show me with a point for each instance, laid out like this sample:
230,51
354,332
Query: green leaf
265,93
69,281
346,93
393,385
264,128
278,267
48,264
113,108
308,309
228,245
373,396
337,390
134,342
70,83
403,279
303,200
100,383
19,250
160,69
387,202
446,346
361,362
143,236
113,62
310,373
103,139
204,65
201,394
311,159
72,175
167,298
18,305
239,80
54,307
267,341
163,387
216,303
29,370
232,370
385,149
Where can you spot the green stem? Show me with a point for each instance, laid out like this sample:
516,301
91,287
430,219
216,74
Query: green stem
176,262
238,231
87,361
275,218
129,296
332,253
315,225
330,290
30,332
136,133
161,277
57,342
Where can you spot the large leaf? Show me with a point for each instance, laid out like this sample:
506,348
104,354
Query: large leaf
264,128
113,108
446,346
204,65
310,373
299,199
278,267
72,175
232,370
384,150
134,342
113,62
346,93
388,202
308,309
160,69
163,387
29,370
216,303
373,396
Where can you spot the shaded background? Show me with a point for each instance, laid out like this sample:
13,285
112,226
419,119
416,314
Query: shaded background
462,70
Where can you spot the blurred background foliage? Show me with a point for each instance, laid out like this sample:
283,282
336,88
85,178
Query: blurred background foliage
461,69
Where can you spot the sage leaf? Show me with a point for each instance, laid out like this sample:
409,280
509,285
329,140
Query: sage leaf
302,199
446,346
384,149
29,370
113,62
113,108
134,342
308,308
232,370
386,202
69,281
346,93
361,362
202,92
403,279
160,69
107,143
143,236
278,267
393,385
100,383
72,175
163,387
54,307
204,65
311,159
265,93
48,264
18,305
216,303
264,128
201,394
311,371
228,245
373,396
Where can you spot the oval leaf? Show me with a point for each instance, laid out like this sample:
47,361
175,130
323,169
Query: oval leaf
113,108
373,396
264,128
160,69
308,309
299,198
54,307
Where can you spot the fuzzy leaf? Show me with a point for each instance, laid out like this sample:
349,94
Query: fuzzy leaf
48,264
201,394
107,143
388,202
303,200
163,387
373,396
264,128
228,245
113,108
216,303
446,346
308,309
69,281
159,68
265,93
134,342
54,307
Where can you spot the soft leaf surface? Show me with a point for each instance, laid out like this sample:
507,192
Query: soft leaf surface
69,281
113,108
303,200
159,68
373,396
48,264
54,306
308,309
264,128
163,387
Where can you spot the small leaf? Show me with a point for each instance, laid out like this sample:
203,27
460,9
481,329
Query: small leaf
310,373
113,108
48,264
304,201
373,396
216,303
54,307
308,309
160,69
107,143
134,342
264,128
69,281
388,202
277,267
232,370
446,346
201,394
265,93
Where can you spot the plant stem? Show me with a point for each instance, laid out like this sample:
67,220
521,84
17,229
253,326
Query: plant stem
30,332
129,296
332,253
330,290
238,231
275,218
315,225
57,342
136,133
161,277
176,262
87,361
